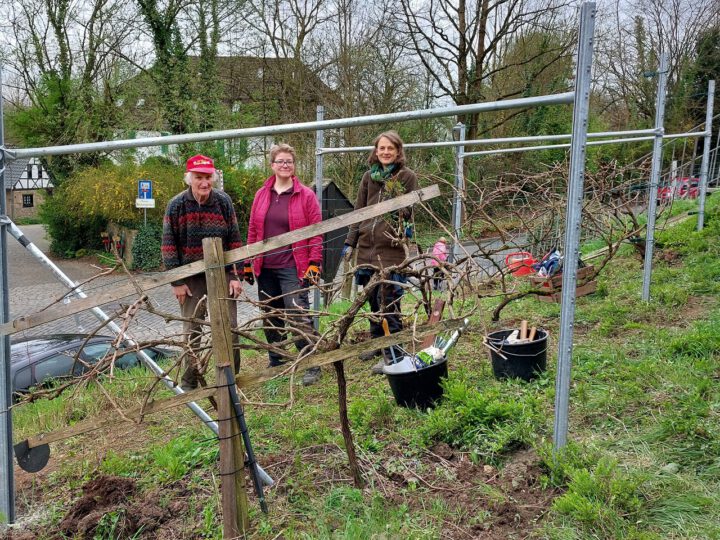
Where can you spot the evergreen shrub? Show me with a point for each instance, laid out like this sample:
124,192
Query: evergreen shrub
146,247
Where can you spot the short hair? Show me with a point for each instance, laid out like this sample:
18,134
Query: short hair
188,179
394,138
443,240
281,148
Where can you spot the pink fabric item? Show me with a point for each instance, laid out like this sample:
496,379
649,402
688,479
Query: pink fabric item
303,210
439,251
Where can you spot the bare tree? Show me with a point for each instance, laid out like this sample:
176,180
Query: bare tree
62,59
461,44
632,37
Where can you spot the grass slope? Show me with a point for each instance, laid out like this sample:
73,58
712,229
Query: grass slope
644,461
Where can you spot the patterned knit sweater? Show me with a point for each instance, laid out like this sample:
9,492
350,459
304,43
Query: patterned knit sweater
187,222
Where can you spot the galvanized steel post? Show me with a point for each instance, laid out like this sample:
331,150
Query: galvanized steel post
654,176
7,478
706,155
459,131
319,143
581,112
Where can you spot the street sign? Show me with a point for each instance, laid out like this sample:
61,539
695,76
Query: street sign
145,190
145,195
144,203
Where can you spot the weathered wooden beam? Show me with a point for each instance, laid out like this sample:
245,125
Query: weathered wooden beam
233,496
127,288
137,414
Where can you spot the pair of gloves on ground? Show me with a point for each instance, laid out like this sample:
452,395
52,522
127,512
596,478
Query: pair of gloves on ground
311,277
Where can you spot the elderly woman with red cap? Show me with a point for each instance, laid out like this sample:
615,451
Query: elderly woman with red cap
281,205
201,211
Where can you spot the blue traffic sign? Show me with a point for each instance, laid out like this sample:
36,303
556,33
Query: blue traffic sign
145,190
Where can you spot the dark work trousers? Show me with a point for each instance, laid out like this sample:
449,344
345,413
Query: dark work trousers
437,279
193,331
284,283
385,303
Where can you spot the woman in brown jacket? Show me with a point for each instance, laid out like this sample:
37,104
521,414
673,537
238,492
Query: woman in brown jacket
379,240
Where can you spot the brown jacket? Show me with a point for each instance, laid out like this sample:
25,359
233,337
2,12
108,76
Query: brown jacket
369,237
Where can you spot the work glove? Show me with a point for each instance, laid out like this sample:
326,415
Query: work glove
248,274
312,274
346,252
409,229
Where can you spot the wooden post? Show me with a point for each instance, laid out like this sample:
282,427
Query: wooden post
345,425
232,459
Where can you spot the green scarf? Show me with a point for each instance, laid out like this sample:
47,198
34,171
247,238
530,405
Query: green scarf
380,173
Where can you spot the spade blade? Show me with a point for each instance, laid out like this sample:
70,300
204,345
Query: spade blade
32,459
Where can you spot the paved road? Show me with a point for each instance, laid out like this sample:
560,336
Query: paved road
33,287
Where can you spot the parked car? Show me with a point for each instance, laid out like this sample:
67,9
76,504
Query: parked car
685,188
36,360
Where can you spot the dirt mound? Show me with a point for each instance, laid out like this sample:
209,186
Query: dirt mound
107,502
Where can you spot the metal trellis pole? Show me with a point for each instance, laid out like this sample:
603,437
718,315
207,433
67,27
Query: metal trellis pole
706,155
581,111
459,129
319,142
654,176
7,478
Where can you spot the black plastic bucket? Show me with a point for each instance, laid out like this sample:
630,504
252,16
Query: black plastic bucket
525,361
418,389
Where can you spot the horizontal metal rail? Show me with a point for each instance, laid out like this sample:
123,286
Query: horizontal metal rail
106,146
593,143
499,140
553,146
686,135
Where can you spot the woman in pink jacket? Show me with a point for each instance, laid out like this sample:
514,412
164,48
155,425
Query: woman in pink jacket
440,252
284,204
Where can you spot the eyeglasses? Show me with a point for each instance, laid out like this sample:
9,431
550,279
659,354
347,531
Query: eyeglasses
284,162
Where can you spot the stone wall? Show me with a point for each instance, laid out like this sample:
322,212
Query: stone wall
16,210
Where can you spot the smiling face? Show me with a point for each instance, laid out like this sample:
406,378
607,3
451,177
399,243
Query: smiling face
283,166
201,185
386,151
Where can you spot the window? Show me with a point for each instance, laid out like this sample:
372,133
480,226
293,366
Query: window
27,201
23,380
129,360
56,366
95,352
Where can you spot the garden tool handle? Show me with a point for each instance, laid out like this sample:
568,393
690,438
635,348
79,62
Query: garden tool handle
385,327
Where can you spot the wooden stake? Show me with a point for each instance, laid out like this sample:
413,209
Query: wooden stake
345,425
533,331
232,458
523,330
435,316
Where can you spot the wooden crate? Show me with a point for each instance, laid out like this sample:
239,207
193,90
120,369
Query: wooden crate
584,287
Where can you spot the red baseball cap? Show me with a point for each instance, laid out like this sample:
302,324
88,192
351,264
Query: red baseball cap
201,164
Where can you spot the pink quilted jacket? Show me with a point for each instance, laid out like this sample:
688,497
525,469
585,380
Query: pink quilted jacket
303,210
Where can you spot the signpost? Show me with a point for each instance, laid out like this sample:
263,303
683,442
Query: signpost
145,196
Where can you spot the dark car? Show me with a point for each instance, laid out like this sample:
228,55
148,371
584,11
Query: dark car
36,360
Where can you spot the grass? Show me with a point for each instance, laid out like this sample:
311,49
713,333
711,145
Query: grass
643,461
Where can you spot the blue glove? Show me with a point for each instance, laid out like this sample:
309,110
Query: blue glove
346,251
